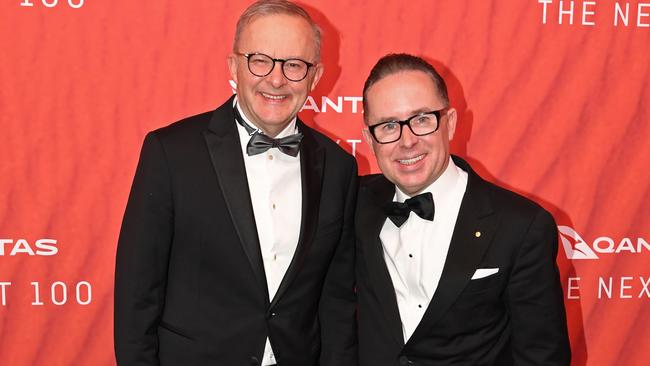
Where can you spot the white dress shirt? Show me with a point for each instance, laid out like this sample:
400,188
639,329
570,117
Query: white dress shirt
276,194
415,253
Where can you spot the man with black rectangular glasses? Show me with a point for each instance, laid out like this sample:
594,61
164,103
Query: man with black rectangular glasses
451,269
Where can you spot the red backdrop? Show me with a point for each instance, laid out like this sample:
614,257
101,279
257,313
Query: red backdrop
553,102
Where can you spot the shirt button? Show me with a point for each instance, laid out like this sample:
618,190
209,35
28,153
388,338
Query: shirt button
420,306
410,255
273,205
404,361
270,157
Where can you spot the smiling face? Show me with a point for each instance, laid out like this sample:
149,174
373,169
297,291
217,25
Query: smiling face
412,162
272,101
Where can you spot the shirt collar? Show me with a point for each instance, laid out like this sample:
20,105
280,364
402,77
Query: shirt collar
291,128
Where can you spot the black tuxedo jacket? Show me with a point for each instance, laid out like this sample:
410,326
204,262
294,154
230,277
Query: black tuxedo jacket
190,287
514,317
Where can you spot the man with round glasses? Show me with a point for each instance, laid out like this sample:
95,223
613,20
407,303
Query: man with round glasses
237,242
451,269
261,65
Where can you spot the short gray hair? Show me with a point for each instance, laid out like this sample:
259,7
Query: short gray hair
271,7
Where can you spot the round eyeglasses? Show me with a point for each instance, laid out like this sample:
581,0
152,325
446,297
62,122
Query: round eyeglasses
420,124
259,64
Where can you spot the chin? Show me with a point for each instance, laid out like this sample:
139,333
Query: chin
412,190
276,117
413,186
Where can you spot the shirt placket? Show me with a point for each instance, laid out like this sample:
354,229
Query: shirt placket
412,261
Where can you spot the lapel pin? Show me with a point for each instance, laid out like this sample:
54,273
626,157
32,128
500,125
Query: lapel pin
477,234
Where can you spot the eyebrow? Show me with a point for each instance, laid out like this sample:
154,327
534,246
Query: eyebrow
282,58
413,113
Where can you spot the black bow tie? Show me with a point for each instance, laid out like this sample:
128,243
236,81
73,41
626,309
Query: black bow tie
260,143
422,205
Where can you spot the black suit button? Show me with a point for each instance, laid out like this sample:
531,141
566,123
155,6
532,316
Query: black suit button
404,361
254,361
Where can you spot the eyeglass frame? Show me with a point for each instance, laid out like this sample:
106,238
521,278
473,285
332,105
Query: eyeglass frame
407,122
280,60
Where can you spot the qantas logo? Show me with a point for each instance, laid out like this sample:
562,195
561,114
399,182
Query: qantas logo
39,247
575,247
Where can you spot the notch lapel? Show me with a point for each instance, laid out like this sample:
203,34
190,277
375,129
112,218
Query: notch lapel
312,160
224,148
466,249
371,218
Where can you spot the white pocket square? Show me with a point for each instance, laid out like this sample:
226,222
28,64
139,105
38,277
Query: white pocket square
484,272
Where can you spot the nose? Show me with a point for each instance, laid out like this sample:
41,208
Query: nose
408,139
276,77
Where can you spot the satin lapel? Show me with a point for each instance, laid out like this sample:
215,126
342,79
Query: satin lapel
224,147
475,227
312,160
371,218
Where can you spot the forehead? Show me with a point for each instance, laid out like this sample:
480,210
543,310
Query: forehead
279,35
401,94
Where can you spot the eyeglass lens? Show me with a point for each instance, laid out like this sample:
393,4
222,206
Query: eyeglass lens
293,69
422,124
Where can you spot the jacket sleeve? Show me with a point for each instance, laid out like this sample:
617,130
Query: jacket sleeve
535,298
338,301
142,257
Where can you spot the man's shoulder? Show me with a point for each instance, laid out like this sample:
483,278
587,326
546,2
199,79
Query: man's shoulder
502,198
194,125
332,149
371,180
514,200
373,187
191,125
509,203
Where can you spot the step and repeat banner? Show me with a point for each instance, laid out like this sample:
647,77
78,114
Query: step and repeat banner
553,99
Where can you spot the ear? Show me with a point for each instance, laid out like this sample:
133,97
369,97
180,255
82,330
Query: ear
232,66
369,140
452,117
318,72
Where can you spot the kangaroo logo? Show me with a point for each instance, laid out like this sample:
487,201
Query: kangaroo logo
574,246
